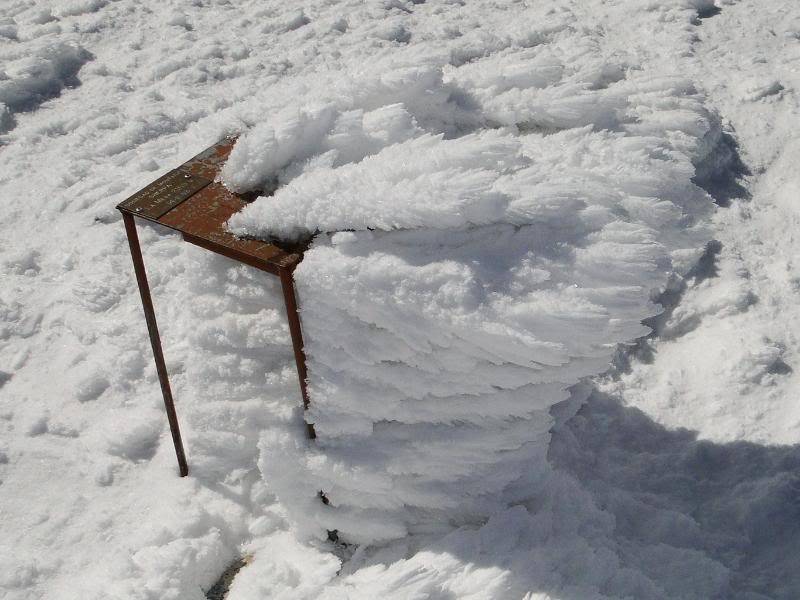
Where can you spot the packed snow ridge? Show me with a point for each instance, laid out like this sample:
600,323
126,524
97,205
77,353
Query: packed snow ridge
488,231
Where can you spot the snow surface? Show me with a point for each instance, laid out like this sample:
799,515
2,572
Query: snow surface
99,98
722,361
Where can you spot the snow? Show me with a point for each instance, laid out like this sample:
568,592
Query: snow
722,361
28,80
597,116
485,262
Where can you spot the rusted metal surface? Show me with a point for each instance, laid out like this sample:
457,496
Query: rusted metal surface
164,194
202,222
209,162
295,330
189,201
155,340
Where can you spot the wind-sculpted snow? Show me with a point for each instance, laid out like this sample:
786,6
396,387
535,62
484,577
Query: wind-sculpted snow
487,234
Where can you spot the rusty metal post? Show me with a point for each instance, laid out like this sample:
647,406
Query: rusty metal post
155,340
292,316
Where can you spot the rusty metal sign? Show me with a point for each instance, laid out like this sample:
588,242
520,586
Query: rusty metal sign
190,201
164,194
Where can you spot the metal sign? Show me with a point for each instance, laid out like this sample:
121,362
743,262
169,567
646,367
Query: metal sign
164,194
189,201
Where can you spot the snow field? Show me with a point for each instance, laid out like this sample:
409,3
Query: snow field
90,504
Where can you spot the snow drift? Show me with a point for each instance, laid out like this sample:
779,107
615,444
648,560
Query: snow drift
487,234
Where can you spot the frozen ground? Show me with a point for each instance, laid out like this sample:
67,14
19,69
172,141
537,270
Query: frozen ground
677,479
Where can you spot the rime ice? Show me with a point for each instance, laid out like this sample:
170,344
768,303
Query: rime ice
474,261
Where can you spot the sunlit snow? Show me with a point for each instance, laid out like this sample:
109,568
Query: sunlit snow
501,192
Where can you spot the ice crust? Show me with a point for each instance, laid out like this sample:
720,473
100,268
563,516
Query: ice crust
487,233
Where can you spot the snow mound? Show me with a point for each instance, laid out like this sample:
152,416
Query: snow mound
488,233
27,81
